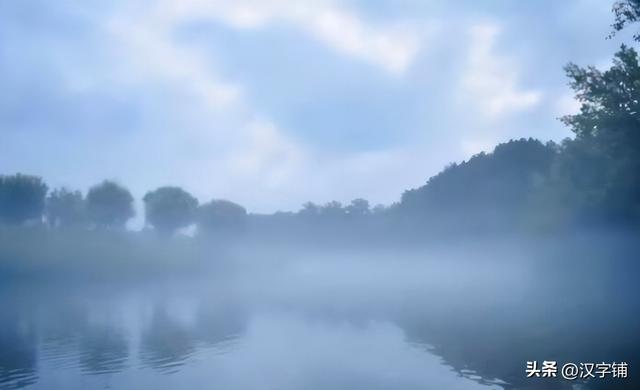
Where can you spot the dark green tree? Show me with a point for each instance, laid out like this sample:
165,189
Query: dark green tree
602,164
109,205
65,208
168,209
358,208
626,12
309,209
489,190
22,198
332,210
221,216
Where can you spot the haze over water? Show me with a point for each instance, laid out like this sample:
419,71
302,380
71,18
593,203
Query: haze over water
413,320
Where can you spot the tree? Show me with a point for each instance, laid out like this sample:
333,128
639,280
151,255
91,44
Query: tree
602,163
109,205
309,209
379,209
332,209
221,216
358,208
489,190
22,198
626,12
65,208
169,208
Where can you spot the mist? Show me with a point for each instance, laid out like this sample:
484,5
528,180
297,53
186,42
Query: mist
218,250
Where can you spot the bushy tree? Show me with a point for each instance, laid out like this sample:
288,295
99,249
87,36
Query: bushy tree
309,209
358,208
109,205
626,12
65,208
220,216
488,190
332,209
601,166
379,209
169,208
22,198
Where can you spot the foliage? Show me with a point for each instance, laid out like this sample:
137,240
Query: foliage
626,12
109,205
358,208
22,198
602,164
65,208
488,189
221,216
169,208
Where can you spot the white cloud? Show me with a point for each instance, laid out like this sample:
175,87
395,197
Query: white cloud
267,155
491,79
392,47
567,105
151,55
210,142
214,146
165,115
473,146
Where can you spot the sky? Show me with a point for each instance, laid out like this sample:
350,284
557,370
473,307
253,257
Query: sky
274,103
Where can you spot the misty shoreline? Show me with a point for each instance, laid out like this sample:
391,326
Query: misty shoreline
40,253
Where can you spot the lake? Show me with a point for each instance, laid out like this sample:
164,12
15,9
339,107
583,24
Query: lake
317,323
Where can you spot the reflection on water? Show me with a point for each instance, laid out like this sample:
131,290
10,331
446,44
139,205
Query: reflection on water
102,350
319,325
138,338
17,352
166,344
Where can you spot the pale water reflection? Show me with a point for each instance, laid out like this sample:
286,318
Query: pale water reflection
325,323
150,339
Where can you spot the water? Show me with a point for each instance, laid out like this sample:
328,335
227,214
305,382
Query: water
156,337
315,324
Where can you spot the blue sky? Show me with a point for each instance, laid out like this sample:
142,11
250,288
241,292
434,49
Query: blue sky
272,103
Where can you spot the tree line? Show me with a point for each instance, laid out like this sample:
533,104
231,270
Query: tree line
26,199
591,179
108,205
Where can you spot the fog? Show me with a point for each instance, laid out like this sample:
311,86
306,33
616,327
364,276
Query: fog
515,268
464,313
494,263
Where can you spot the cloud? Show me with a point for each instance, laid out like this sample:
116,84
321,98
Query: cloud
163,92
210,141
151,54
392,46
267,156
490,80
567,105
472,146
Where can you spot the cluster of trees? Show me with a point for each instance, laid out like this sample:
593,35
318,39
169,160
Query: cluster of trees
25,199
21,198
593,178
488,190
356,208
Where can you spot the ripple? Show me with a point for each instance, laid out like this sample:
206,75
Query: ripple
17,378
